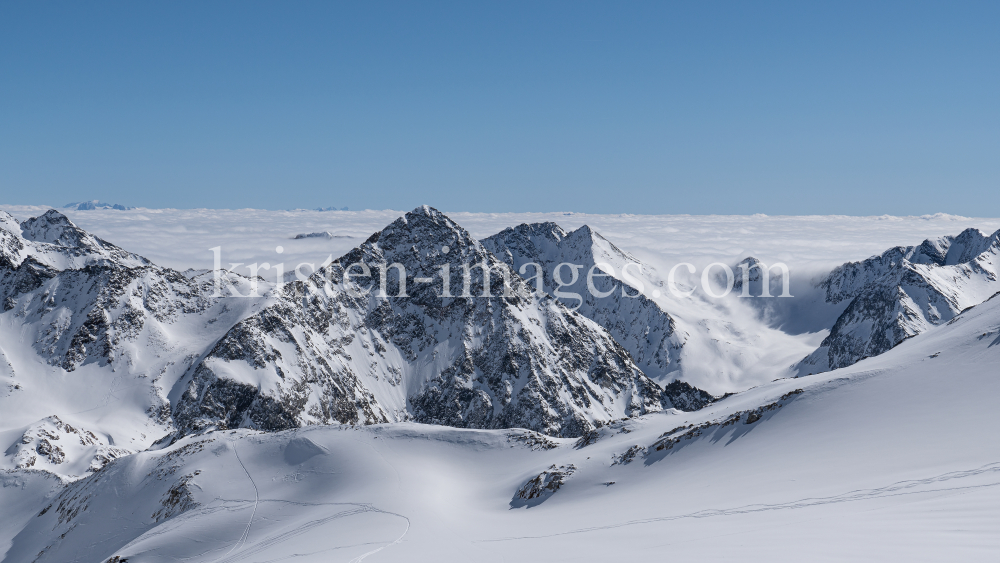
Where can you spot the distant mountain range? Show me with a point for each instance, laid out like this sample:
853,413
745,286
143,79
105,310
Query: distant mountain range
95,204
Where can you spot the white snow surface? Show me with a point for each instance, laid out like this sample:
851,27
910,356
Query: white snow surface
891,459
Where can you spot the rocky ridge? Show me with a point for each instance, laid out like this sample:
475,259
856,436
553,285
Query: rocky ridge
347,349
903,292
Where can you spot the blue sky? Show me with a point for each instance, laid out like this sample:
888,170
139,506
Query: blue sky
861,108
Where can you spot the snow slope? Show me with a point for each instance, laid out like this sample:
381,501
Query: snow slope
892,458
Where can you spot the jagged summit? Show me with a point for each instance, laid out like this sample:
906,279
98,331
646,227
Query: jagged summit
425,226
8,222
544,241
903,292
638,323
55,228
969,246
424,241
54,241
346,349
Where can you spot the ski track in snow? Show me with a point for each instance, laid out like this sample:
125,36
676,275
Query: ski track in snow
310,525
397,540
399,482
896,489
264,544
106,399
256,501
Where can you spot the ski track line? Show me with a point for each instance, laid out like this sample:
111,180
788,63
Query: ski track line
256,499
275,540
301,529
269,542
309,553
106,399
896,489
399,485
394,542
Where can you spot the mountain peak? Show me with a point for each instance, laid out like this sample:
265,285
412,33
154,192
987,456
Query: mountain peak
644,329
969,244
58,243
424,218
9,223
55,216
490,353
890,300
427,211
55,228
422,240
424,228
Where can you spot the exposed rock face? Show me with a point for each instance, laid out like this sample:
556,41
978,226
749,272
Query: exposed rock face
338,349
541,487
83,295
635,321
903,292
686,397
50,443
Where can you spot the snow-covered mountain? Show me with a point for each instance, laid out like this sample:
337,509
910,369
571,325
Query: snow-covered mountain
92,338
53,242
333,350
100,340
903,292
